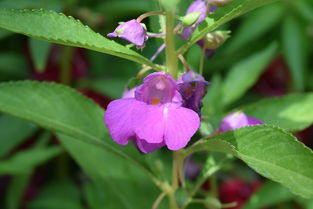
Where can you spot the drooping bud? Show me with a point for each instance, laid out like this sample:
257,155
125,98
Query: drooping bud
132,31
192,87
218,3
216,39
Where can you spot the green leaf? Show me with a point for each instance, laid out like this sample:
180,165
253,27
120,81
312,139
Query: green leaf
57,195
24,161
265,18
64,110
293,112
222,15
295,50
244,74
39,51
16,189
58,28
12,132
268,195
270,151
117,178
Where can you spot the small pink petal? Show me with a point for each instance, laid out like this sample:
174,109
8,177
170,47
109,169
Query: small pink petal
146,147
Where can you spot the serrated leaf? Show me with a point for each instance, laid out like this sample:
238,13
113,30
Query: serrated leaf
292,112
58,28
295,50
222,15
64,110
270,151
245,73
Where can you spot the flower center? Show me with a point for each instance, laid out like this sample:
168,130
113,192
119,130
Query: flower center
155,101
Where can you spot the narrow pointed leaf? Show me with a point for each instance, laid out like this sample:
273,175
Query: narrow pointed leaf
58,28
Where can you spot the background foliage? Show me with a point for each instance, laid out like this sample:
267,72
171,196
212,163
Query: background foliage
55,152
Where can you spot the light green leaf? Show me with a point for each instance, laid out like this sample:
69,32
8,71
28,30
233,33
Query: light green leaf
24,161
270,151
244,74
62,109
12,132
295,50
268,195
222,15
293,112
39,51
58,28
265,18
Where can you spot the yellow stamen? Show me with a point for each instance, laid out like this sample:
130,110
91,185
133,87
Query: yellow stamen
155,101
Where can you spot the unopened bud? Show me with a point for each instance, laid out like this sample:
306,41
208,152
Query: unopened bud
190,19
218,3
216,39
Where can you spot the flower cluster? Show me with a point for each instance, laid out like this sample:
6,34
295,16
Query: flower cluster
156,114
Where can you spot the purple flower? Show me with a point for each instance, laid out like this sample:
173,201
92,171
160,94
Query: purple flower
192,87
154,117
132,31
237,120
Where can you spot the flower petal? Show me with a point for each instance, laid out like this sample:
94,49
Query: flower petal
148,123
181,125
118,119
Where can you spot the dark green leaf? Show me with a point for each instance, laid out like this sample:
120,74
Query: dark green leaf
16,190
24,161
294,46
293,112
13,131
270,151
58,28
244,74
57,195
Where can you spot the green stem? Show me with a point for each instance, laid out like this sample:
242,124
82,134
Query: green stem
171,57
202,61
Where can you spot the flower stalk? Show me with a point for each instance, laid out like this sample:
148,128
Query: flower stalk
171,57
